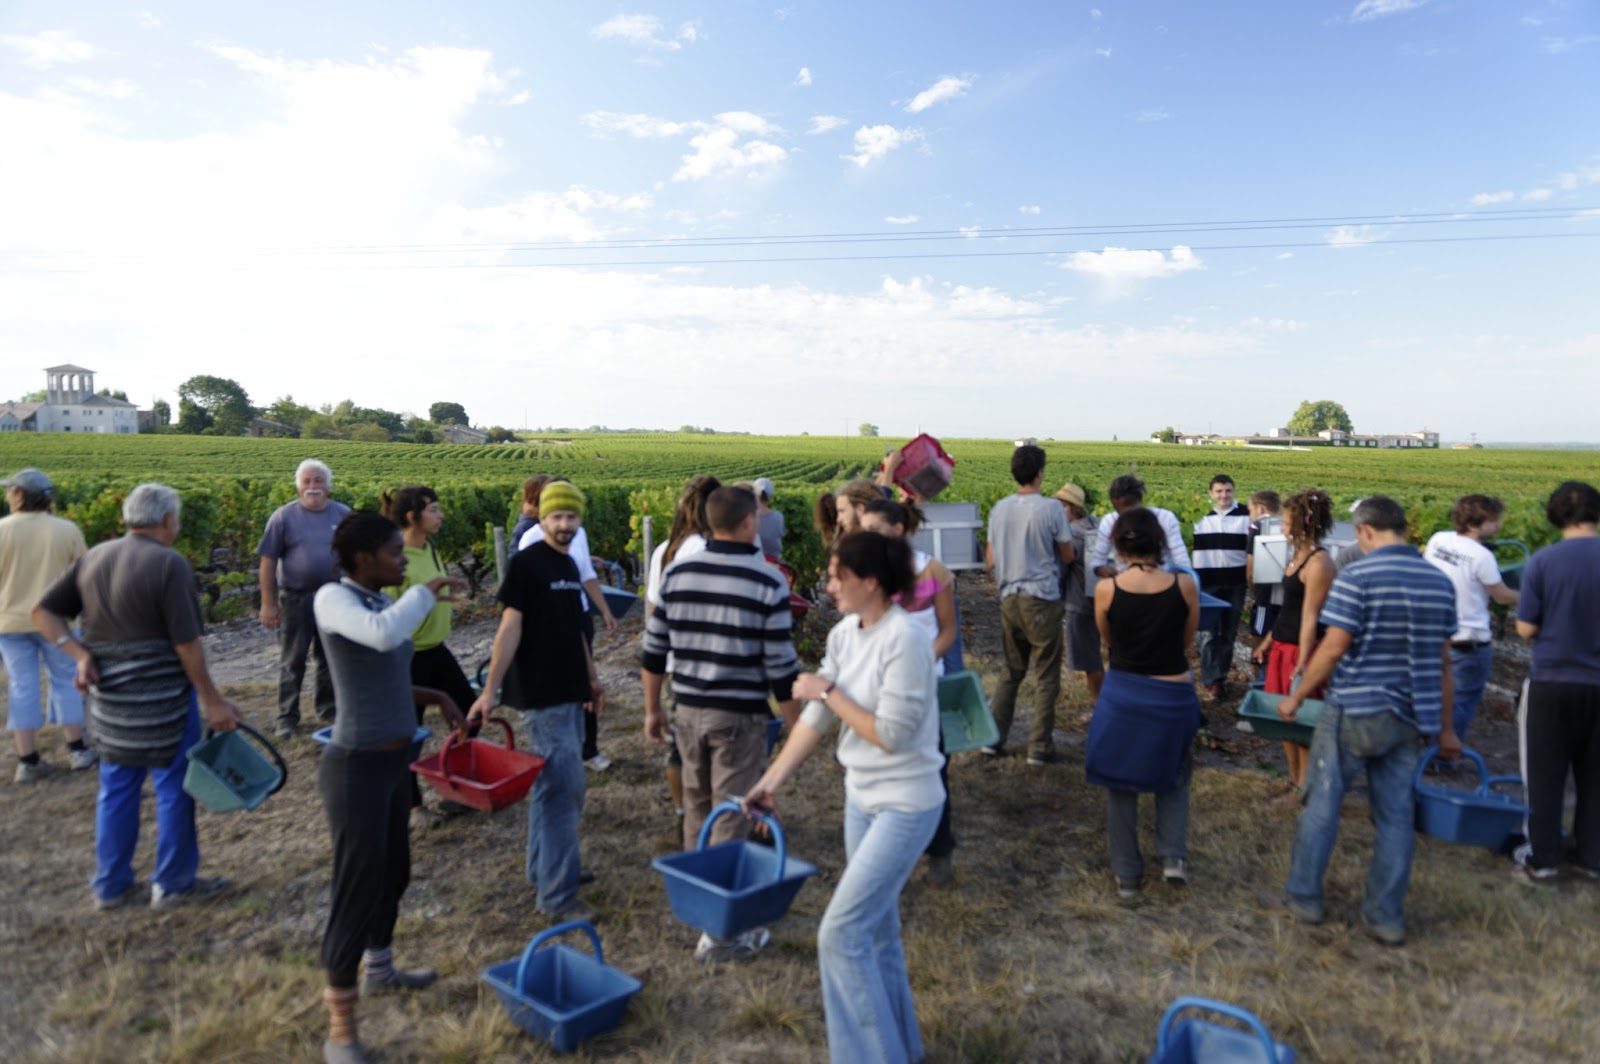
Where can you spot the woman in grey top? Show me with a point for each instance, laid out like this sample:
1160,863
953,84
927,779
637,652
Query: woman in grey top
362,777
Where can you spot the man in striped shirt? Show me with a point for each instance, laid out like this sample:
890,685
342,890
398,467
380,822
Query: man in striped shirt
724,618
1390,617
1221,539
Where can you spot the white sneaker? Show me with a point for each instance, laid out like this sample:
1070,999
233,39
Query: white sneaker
742,947
1175,872
597,763
80,760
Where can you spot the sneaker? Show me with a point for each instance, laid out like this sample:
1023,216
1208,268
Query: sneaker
1591,874
33,773
1303,912
82,760
400,979
285,731
941,871
116,901
1128,889
989,751
1387,934
1176,872
742,947
426,819
1049,757
597,763
1534,877
203,887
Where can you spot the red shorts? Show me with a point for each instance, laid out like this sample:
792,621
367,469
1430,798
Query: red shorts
1281,661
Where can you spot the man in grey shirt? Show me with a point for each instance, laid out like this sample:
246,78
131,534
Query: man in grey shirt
1029,540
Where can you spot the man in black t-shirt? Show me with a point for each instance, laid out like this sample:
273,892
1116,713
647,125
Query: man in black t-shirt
543,660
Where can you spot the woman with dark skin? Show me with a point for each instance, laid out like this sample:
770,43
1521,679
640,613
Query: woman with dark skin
362,775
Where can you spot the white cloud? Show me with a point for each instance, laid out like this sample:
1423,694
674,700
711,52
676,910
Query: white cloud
1483,199
517,99
49,48
1563,45
1126,264
1094,13
1351,236
823,123
717,153
1284,256
903,219
1029,208
946,88
635,125
1155,114
804,77
1367,10
644,31
1103,53
874,142
145,20
970,231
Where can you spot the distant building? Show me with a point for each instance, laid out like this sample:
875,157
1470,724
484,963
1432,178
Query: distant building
1278,437
70,405
463,434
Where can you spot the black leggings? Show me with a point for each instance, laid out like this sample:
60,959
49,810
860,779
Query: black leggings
591,723
943,843
364,797
437,668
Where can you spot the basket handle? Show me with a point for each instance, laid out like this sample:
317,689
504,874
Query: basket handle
770,821
545,936
261,740
511,738
1432,751
1232,1011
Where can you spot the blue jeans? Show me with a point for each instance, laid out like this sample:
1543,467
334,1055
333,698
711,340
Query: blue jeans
116,821
555,804
866,993
1389,749
1471,671
22,652
1216,645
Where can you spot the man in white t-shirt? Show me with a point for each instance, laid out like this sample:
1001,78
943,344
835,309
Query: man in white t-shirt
1471,567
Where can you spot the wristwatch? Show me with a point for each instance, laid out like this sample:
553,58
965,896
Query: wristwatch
63,639
826,691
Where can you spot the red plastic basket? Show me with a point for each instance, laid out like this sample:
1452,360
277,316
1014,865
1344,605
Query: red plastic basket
479,773
924,468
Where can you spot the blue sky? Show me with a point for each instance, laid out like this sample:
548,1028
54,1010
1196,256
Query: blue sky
996,219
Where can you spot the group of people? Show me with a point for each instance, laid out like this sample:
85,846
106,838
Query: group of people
1397,644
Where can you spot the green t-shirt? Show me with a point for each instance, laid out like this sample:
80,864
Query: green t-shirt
422,565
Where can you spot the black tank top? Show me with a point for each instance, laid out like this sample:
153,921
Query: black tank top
1287,630
1147,631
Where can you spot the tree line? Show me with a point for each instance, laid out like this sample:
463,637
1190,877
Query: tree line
220,406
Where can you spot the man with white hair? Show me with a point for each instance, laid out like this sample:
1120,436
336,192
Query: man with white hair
142,665
296,553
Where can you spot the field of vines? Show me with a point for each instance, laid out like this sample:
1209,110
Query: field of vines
230,485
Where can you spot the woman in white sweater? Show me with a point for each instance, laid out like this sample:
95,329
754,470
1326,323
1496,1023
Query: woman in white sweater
877,679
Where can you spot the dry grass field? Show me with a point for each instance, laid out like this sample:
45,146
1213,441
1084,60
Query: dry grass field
1028,956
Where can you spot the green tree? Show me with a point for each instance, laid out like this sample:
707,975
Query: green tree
160,413
35,397
285,410
119,394
423,434
1166,435
868,429
222,404
321,427
500,434
1312,417
448,414
369,432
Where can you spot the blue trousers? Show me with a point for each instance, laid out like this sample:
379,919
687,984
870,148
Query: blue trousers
555,804
116,821
1470,669
866,993
1216,645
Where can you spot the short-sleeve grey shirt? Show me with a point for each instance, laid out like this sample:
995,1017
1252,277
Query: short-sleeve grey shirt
130,589
301,541
1023,533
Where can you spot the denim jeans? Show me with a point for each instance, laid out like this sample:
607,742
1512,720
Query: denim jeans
866,993
299,639
116,821
1216,645
1471,671
555,803
1389,749
22,652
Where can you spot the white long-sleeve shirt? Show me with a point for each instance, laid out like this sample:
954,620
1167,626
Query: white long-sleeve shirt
1177,554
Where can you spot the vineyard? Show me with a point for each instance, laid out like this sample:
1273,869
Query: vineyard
231,485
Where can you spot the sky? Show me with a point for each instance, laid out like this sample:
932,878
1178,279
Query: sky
1066,221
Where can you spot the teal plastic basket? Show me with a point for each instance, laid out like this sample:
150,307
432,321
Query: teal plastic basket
1261,710
964,717
227,772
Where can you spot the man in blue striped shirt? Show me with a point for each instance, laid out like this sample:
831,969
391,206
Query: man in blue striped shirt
1389,618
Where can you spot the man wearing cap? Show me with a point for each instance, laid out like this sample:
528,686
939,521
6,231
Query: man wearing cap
144,668
296,552
542,659
770,521
1083,638
35,548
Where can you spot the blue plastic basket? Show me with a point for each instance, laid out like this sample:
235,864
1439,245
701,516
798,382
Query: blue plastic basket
1473,818
964,717
418,737
618,601
227,773
1194,1041
733,886
560,994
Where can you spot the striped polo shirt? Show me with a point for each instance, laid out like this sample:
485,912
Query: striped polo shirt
1220,544
1400,611
724,617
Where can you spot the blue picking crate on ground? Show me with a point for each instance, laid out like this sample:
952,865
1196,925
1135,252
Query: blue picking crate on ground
560,994
1194,1041
1479,817
732,887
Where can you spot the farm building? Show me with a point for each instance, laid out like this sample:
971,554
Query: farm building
1325,438
70,405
